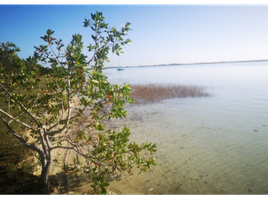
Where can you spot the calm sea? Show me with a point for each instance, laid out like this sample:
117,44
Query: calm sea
210,145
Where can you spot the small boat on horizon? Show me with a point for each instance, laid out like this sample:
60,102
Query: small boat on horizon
120,69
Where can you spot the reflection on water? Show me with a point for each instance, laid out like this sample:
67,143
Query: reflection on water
212,145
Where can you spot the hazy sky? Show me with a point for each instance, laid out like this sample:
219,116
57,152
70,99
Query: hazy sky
161,34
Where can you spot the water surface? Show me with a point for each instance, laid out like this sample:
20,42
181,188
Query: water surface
211,145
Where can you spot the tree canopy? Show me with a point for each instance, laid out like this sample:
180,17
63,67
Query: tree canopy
48,100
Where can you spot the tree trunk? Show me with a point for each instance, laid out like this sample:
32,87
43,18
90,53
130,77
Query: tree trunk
45,176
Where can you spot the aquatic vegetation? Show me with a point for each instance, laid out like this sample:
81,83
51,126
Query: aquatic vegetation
153,93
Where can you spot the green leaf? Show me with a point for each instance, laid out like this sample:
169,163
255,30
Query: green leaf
127,41
86,23
93,16
95,81
93,37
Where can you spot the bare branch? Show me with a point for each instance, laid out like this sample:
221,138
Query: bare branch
31,146
16,120
94,159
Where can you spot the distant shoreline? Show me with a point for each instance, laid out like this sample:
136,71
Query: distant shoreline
201,63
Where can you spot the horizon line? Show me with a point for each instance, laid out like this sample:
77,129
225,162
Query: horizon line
197,63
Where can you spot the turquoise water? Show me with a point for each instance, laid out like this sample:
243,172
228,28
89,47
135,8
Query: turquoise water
212,145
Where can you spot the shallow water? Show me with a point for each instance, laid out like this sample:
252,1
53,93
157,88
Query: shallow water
211,145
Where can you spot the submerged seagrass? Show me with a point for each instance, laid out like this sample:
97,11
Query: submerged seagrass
152,93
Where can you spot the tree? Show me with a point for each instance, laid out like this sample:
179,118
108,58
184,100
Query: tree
44,95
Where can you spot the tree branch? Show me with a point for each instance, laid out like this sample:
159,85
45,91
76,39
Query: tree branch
67,118
16,120
57,58
22,106
31,146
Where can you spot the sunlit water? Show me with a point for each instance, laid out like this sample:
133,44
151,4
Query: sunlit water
210,145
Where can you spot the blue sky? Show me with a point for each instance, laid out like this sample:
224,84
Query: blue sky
162,34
